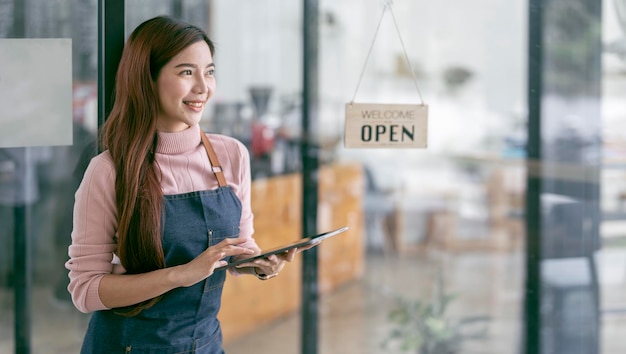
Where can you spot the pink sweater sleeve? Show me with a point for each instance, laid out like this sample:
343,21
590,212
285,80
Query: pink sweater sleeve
93,237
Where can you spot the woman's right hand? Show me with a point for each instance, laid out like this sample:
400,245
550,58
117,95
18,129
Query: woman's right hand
203,266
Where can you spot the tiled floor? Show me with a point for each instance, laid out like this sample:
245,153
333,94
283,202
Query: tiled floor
353,319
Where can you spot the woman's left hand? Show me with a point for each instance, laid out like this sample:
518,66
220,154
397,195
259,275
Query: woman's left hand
266,268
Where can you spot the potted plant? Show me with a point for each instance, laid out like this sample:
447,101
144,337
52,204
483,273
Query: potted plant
424,328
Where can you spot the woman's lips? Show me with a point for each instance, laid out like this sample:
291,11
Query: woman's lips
195,105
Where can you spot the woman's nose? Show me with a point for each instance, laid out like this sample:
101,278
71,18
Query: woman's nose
201,85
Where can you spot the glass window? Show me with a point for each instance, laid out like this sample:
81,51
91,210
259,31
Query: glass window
448,245
45,220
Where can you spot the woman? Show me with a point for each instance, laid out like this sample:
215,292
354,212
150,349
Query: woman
162,206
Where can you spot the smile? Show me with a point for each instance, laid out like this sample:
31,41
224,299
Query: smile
194,104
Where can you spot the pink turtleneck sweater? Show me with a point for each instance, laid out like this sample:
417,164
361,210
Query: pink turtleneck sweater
184,168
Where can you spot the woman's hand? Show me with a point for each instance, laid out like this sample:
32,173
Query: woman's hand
266,268
203,266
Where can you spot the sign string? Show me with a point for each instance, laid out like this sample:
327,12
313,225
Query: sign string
406,56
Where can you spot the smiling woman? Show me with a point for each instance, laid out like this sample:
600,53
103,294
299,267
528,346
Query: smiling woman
163,206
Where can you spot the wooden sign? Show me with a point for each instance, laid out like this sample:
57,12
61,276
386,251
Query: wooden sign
371,125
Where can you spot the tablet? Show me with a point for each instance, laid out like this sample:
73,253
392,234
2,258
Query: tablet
314,240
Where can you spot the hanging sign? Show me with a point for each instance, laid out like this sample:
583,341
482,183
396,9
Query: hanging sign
370,125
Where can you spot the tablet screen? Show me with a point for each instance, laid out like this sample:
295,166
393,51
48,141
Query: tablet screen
284,248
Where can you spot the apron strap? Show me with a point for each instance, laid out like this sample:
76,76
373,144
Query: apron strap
215,164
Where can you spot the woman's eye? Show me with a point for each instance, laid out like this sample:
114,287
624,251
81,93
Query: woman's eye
185,72
210,72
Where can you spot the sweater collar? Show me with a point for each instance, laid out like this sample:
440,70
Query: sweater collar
179,142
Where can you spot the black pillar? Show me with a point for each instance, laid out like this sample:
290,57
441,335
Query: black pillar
21,255
23,280
532,300
110,45
563,183
310,173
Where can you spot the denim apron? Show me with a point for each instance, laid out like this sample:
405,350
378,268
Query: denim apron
185,319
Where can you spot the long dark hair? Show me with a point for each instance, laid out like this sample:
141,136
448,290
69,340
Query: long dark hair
130,135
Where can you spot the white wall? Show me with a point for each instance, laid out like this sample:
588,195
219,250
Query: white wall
257,44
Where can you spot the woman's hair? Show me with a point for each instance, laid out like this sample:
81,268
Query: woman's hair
130,135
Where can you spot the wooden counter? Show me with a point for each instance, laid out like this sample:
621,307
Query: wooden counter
277,205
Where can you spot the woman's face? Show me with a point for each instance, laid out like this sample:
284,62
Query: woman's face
185,84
